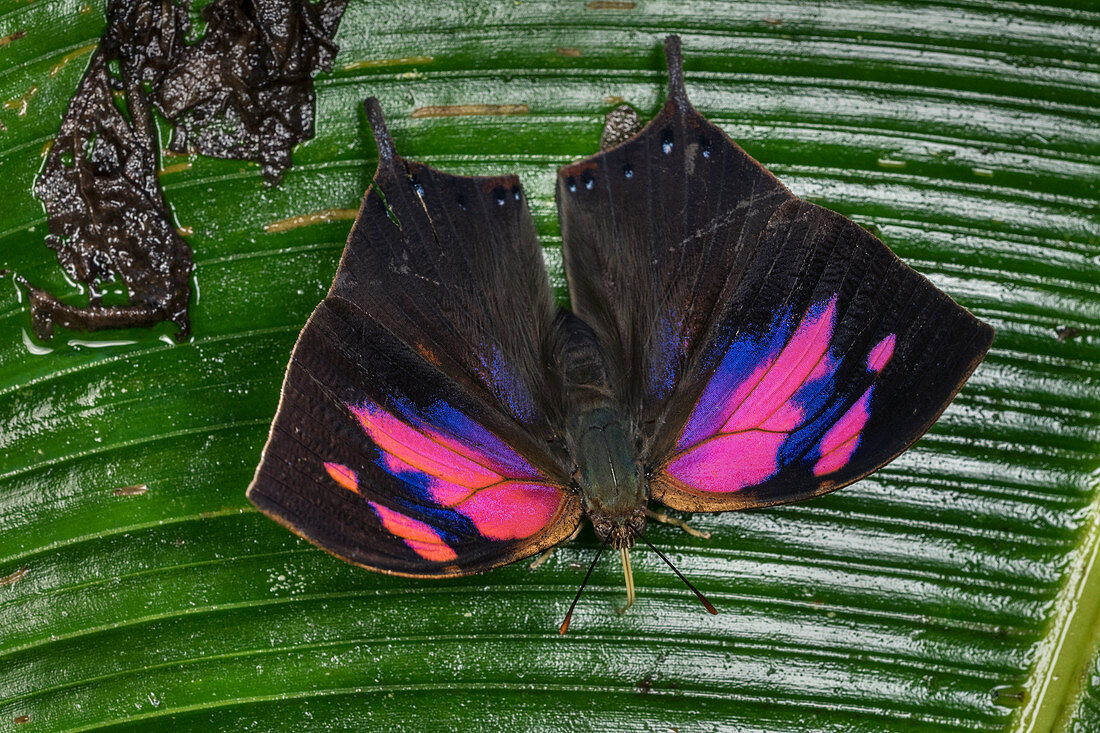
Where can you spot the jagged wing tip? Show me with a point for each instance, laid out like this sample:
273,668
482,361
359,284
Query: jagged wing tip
387,153
674,58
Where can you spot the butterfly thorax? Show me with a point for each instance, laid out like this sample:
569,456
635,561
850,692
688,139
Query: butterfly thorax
610,479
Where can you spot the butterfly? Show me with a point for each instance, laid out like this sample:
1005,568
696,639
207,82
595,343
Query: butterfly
730,346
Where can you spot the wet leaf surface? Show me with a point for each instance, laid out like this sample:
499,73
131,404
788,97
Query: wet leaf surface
928,597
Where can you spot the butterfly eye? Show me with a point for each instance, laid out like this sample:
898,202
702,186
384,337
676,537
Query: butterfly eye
515,192
628,171
571,183
498,194
602,527
666,142
589,181
417,186
704,145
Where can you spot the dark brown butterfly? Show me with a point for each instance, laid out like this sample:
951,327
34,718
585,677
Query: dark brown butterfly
730,346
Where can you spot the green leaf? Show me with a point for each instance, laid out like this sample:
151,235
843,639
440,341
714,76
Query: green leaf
950,591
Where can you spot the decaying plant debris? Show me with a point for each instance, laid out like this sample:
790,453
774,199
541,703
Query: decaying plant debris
244,91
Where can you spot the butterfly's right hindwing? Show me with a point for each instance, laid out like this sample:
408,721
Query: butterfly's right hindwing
415,435
806,393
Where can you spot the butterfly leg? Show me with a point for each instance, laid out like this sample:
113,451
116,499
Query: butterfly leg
545,555
665,519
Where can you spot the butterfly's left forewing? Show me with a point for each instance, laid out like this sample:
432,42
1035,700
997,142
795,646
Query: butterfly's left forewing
802,394
413,435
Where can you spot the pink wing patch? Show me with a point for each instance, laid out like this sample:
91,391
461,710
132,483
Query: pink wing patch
420,537
769,401
729,462
343,476
476,481
841,441
763,401
880,355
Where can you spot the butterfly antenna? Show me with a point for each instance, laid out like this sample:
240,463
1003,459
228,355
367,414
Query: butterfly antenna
569,616
706,604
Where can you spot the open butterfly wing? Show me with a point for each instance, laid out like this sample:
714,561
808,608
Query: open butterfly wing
829,359
771,350
412,437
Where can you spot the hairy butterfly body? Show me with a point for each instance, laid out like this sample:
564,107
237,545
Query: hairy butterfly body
730,346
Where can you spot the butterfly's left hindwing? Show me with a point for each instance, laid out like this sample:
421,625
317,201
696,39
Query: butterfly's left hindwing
771,350
380,459
413,435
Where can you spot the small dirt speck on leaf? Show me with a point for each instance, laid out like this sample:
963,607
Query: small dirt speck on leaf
13,578
12,37
462,110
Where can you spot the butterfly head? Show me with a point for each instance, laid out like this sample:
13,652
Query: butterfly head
619,532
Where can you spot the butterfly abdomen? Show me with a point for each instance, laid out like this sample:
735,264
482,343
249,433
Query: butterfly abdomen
580,361
599,434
